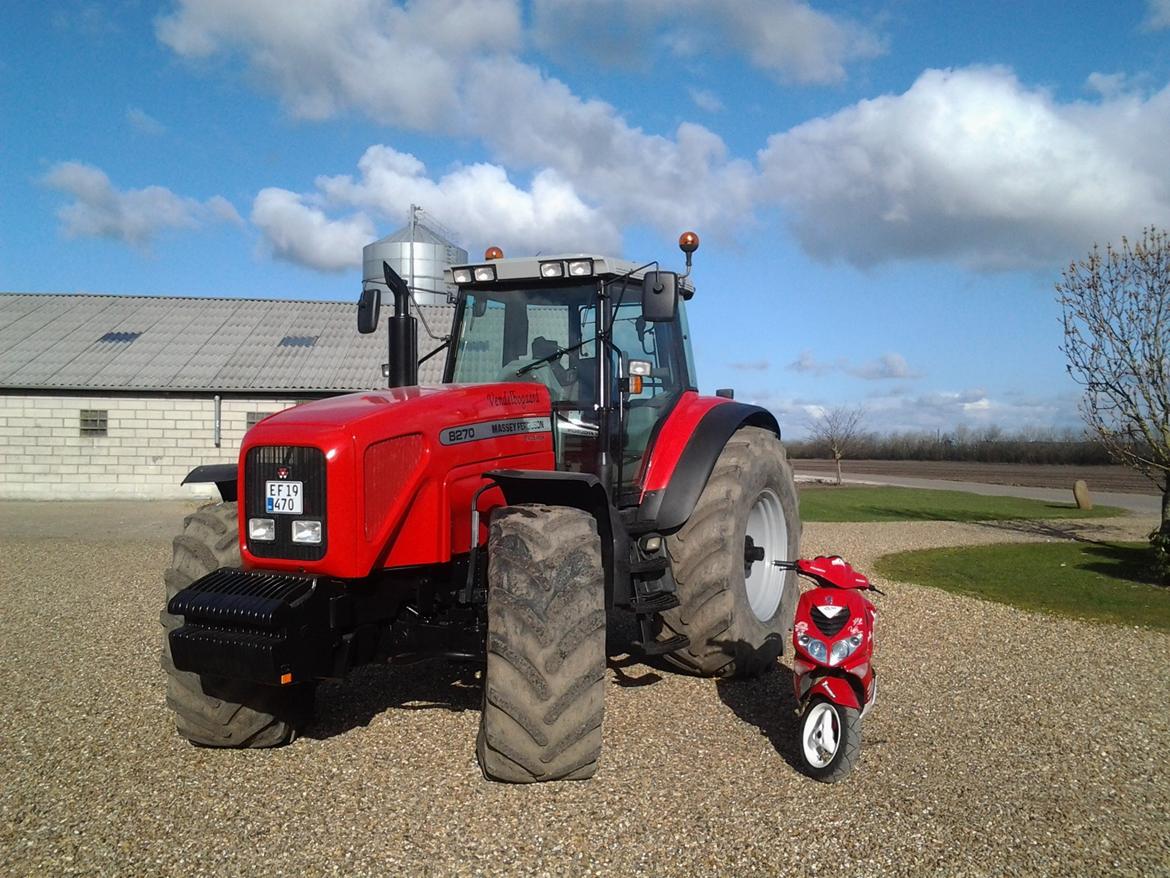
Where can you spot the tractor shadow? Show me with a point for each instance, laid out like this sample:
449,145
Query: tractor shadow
442,684
621,629
768,703
370,690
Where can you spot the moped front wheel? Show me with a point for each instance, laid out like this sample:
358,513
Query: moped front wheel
830,740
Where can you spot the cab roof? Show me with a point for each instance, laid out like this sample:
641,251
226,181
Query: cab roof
529,268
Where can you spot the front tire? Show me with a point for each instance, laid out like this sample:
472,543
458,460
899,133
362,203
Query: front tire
736,614
544,686
213,711
830,740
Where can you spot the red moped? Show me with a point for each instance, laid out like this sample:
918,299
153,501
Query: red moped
832,667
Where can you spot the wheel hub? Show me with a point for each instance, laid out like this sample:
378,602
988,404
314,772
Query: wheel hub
765,541
821,737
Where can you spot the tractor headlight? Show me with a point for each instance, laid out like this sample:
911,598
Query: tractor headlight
461,275
581,268
844,648
552,269
485,273
306,531
815,648
262,529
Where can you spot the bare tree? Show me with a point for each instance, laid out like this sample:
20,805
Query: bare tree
1117,341
838,428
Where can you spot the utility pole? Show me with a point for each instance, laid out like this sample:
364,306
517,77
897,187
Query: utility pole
414,208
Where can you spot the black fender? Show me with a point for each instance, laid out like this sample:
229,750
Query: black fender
225,476
580,491
669,509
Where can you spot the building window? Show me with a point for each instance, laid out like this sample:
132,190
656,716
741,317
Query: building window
298,341
119,337
94,422
255,418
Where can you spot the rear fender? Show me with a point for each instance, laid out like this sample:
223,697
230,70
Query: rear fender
673,486
225,476
579,491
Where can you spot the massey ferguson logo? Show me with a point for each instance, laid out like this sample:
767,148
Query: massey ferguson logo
282,472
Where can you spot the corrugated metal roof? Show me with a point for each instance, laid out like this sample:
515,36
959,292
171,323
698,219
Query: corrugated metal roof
55,341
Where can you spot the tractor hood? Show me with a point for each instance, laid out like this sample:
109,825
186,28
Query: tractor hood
415,407
389,473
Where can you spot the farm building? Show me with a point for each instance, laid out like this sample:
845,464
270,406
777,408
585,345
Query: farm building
121,396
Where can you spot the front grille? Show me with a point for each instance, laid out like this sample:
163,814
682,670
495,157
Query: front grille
829,626
389,464
296,463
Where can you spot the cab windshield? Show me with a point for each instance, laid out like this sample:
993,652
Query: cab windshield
513,335
550,335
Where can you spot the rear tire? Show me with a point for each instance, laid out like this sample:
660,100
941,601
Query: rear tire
214,711
544,687
734,630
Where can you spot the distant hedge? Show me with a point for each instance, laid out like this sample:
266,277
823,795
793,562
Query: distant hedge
989,445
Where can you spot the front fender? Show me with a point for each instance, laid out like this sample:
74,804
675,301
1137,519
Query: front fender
225,476
835,689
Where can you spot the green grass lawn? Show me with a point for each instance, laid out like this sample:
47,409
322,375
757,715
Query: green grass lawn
1109,582
920,504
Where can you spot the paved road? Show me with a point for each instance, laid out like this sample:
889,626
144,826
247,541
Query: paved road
1143,504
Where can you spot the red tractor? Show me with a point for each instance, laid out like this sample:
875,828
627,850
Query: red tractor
565,468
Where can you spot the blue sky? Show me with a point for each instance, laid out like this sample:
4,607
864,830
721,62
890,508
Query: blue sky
885,191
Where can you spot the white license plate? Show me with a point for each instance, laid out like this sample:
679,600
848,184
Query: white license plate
284,497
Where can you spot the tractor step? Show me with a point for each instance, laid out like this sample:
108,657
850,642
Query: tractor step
661,647
649,568
655,602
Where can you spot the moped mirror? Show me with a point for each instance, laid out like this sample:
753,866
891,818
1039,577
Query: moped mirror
367,311
659,296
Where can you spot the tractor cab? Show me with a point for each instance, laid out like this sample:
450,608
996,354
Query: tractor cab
607,338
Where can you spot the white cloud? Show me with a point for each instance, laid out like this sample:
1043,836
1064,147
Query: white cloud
134,216
449,66
890,366
761,365
1157,15
479,201
784,37
300,233
969,165
884,367
143,122
668,183
808,364
706,100
946,410
401,65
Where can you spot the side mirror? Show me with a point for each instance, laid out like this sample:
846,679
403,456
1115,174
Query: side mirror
659,296
368,306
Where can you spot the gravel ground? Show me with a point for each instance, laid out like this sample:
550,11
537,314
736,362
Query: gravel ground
1003,743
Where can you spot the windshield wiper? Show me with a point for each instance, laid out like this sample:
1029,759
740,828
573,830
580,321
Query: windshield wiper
555,355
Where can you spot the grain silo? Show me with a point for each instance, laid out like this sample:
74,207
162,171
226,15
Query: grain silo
418,252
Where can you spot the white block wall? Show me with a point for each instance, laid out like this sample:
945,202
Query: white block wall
152,443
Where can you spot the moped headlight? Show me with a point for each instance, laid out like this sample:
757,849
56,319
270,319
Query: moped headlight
844,648
815,648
